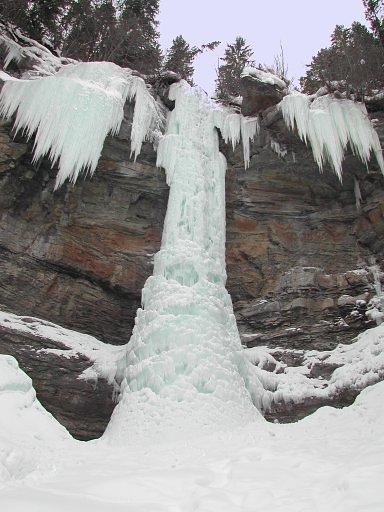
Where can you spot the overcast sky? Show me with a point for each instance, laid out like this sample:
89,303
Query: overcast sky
302,27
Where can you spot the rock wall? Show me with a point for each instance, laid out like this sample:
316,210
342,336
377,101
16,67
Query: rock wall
79,256
298,252
298,247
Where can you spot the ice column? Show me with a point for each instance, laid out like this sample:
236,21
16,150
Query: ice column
182,370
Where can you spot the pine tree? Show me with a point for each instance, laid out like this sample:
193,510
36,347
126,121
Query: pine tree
374,13
38,19
138,30
354,63
122,31
181,55
45,16
237,56
89,27
179,58
79,28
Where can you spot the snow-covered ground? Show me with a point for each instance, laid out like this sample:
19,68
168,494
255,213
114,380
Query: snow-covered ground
330,461
30,438
184,373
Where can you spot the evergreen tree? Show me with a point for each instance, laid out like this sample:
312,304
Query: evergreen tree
181,55
38,19
45,17
374,12
89,29
179,58
354,63
122,31
236,57
137,26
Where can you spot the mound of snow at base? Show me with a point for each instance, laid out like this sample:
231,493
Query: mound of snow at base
30,437
333,461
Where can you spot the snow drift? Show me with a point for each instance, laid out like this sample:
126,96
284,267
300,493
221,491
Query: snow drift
29,436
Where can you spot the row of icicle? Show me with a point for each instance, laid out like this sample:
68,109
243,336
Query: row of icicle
72,111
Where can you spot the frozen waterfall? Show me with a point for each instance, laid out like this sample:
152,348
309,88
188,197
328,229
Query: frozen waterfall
184,370
184,363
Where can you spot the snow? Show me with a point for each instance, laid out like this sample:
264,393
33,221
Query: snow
358,365
264,76
329,125
19,47
30,438
332,460
375,309
104,357
72,112
187,433
4,76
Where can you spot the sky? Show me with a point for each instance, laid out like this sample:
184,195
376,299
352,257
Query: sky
301,26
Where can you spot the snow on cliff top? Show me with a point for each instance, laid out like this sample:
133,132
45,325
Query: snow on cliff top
264,76
19,47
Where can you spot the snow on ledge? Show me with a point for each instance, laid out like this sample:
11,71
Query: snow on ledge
19,47
264,76
358,365
104,356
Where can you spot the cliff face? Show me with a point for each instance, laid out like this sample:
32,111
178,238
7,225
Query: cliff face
297,252
80,256
298,247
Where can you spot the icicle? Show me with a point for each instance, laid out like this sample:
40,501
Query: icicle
329,124
13,52
229,123
147,119
375,309
356,188
280,152
234,127
250,127
73,111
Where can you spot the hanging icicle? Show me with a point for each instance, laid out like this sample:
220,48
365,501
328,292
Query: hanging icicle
329,125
